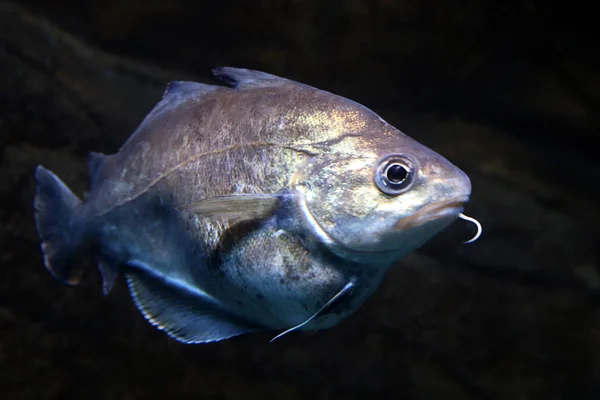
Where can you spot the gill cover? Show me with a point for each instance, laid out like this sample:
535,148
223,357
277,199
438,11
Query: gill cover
381,204
344,207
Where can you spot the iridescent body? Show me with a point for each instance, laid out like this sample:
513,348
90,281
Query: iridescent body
269,205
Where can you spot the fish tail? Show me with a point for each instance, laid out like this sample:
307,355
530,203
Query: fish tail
55,207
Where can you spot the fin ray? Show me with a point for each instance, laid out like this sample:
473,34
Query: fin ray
181,316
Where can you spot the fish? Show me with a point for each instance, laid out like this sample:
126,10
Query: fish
256,204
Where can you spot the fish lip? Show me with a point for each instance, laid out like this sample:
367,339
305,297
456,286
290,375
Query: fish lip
434,211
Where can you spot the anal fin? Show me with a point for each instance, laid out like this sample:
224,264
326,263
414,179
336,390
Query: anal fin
182,316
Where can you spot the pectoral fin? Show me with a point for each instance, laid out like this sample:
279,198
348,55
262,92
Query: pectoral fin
235,207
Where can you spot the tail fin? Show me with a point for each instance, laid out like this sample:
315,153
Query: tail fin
55,205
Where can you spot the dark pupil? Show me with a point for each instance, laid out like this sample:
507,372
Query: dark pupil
396,173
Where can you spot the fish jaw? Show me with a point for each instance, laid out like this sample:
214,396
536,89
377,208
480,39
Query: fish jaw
410,233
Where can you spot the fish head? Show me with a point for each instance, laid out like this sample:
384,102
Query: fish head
372,197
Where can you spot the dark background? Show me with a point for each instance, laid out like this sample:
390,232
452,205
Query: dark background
509,91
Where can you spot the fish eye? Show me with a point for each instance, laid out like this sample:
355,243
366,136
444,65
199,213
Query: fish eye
394,175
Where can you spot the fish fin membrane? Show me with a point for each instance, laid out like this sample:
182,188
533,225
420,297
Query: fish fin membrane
241,78
54,207
183,317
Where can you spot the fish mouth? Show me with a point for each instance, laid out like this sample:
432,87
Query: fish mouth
432,212
429,212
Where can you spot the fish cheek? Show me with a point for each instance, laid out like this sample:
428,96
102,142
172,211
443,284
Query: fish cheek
341,194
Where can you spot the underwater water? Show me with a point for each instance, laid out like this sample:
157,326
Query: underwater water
505,93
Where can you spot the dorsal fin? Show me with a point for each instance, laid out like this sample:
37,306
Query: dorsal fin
188,88
241,78
176,93
94,162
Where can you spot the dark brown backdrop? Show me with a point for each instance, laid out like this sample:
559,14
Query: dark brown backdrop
509,91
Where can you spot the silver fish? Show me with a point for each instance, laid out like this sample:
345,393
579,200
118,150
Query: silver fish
264,204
